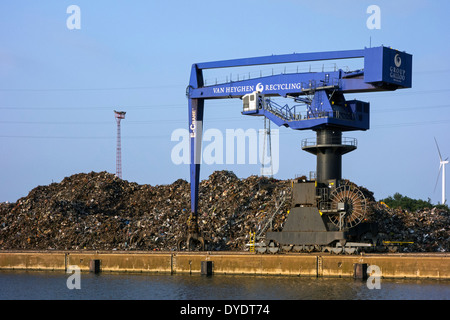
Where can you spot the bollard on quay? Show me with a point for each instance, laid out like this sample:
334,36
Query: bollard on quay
94,266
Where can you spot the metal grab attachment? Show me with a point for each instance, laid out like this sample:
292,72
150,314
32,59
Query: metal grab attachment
194,239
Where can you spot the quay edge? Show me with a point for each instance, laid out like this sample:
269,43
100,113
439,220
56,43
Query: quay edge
405,266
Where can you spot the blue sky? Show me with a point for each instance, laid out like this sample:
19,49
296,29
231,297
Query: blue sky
59,87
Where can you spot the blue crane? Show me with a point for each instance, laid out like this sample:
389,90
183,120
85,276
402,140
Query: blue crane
327,113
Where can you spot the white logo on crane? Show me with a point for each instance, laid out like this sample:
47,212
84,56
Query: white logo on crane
398,60
259,87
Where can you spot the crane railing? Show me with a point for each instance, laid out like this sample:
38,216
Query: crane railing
268,223
310,142
292,114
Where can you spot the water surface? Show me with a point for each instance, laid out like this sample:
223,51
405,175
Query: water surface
31,285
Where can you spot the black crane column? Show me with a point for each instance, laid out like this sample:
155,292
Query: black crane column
329,148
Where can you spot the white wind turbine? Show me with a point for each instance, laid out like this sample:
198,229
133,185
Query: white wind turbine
441,165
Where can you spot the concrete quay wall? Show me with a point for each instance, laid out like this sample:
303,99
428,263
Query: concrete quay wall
414,266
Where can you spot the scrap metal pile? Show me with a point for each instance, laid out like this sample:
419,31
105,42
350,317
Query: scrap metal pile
98,211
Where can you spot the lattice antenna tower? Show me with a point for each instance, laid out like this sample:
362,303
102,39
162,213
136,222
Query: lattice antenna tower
119,115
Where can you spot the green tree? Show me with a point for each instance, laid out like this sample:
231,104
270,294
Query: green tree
406,203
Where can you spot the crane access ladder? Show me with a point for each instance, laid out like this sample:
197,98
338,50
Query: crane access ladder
257,238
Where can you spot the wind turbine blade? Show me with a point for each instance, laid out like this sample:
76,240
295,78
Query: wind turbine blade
439,151
437,179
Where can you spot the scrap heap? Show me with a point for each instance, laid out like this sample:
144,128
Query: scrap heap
98,211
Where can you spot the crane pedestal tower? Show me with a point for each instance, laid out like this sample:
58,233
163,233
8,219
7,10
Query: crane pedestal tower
329,147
